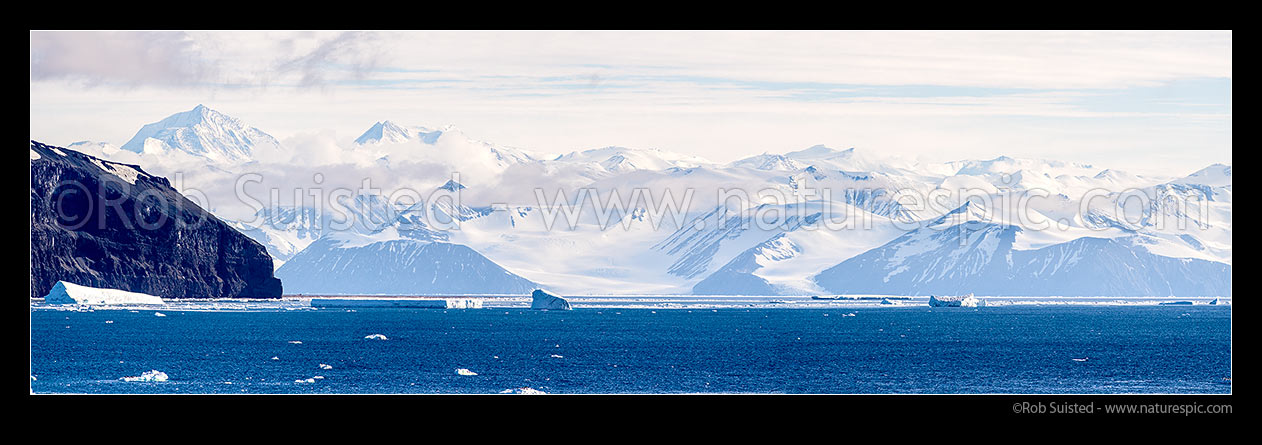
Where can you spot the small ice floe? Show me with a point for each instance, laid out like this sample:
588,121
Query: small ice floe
522,390
33,378
159,314
275,358
376,337
295,342
318,377
310,380
1080,359
147,376
109,321
325,367
556,356
464,371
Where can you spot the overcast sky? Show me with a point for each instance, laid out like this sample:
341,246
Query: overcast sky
1156,102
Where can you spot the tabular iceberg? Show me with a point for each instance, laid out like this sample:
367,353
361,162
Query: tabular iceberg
70,293
541,299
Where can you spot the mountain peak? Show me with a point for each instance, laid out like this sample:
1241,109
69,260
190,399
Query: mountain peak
1215,175
769,162
388,132
818,151
969,211
451,185
203,132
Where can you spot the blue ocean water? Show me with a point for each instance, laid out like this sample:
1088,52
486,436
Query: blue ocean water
1011,349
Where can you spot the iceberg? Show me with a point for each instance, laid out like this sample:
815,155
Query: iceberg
147,376
376,337
961,301
465,371
70,293
522,390
541,299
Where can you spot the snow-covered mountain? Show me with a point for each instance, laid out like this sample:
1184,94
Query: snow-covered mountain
623,159
1217,175
287,230
449,145
785,249
966,251
810,221
202,132
94,148
404,256
388,263
386,132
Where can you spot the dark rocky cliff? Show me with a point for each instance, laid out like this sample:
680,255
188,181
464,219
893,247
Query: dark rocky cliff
104,224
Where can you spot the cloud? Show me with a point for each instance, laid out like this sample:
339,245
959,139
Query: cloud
347,55
721,95
127,59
